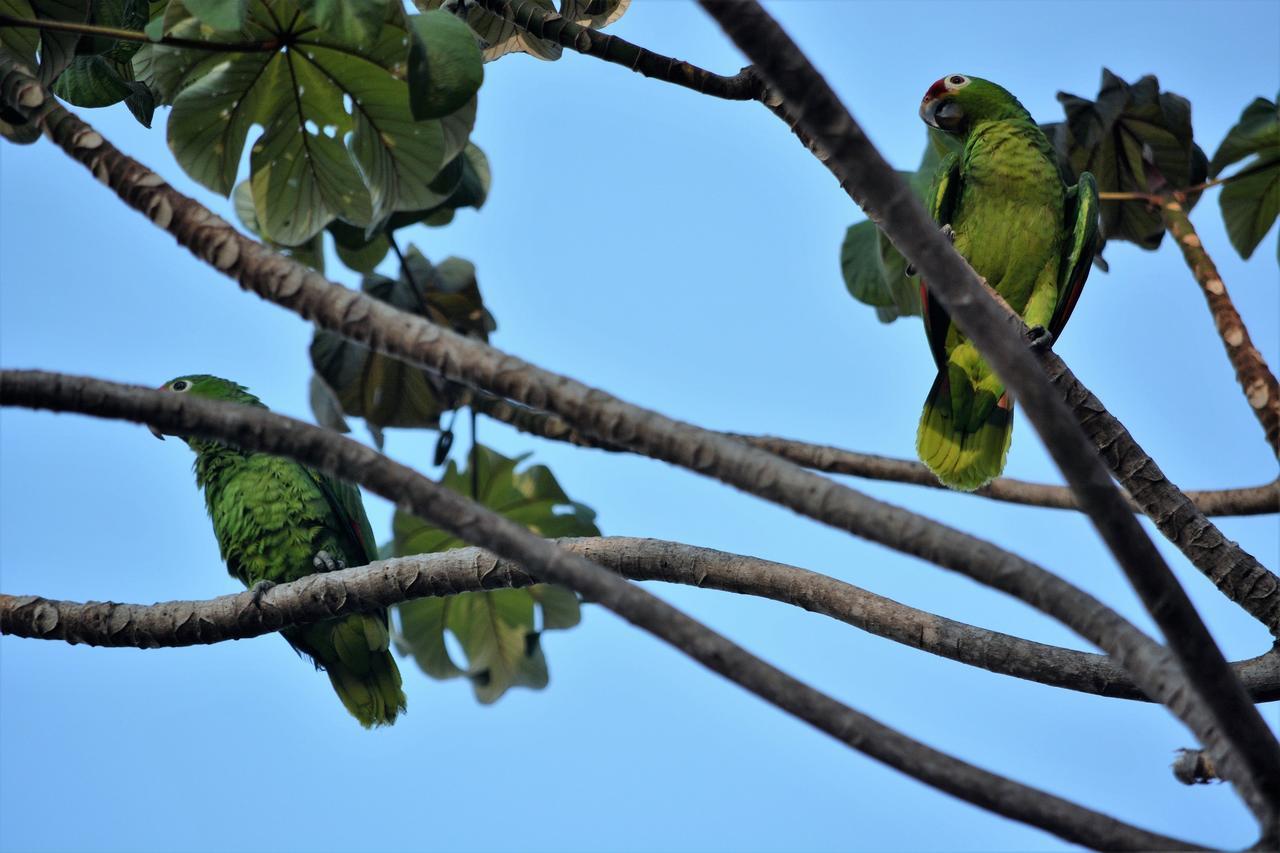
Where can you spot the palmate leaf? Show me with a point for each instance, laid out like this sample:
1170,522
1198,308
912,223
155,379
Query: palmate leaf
497,631
499,36
874,271
387,392
339,141
1251,199
1133,138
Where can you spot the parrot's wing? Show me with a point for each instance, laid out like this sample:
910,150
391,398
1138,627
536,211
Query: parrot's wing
942,203
1082,242
348,509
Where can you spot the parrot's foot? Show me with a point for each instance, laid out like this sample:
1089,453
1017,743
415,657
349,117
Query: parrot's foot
259,589
326,562
947,232
1039,338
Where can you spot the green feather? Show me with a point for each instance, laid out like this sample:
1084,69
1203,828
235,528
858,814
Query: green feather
271,516
1029,236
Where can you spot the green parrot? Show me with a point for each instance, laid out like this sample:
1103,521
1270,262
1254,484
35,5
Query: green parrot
1001,199
277,520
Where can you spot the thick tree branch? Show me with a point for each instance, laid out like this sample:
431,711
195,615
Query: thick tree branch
388,582
1001,338
1255,378
420,342
263,431
1250,500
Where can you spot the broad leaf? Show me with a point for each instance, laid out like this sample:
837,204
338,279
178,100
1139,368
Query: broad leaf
1250,200
497,631
874,271
387,392
351,21
91,81
445,67
1133,138
225,15
20,41
57,49
339,141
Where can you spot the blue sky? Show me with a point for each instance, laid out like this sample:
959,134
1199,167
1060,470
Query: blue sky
683,253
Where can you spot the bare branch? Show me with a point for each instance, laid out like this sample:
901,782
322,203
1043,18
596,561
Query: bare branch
417,341
1255,378
1001,338
260,430
388,582
537,21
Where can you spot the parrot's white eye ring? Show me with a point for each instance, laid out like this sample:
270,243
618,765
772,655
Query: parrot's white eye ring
956,81
180,385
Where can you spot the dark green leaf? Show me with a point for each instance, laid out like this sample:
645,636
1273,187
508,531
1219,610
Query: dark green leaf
91,81
496,630
224,15
20,41
58,49
349,21
384,391
445,67
1257,132
357,250
1250,204
1133,138
324,405
119,14
141,102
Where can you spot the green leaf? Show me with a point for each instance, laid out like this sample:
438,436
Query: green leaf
339,139
58,49
497,630
1133,138
445,66
1257,132
1250,204
141,102
119,14
91,81
356,249
324,404
350,21
225,15
387,392
20,41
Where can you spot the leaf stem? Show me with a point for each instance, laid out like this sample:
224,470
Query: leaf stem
269,46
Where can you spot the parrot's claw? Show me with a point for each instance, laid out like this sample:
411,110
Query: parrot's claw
259,589
326,562
1039,338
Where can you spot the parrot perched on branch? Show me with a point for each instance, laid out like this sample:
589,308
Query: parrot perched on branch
277,520
1002,200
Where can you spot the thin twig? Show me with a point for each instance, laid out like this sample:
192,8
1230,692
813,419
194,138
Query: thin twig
1255,378
1001,337
259,430
268,46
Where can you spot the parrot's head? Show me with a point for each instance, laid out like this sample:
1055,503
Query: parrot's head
956,102
212,387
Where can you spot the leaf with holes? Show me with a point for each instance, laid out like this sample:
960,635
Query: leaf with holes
339,141
387,392
498,630
1133,138
1250,200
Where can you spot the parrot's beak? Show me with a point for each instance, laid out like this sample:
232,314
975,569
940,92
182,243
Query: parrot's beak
942,113
928,107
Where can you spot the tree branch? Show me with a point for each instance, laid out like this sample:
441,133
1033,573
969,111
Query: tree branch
543,24
417,341
1001,338
1255,378
1251,500
389,582
263,431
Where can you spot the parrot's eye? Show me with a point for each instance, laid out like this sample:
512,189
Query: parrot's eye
957,80
180,385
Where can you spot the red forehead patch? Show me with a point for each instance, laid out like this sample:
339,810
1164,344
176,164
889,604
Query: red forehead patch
937,90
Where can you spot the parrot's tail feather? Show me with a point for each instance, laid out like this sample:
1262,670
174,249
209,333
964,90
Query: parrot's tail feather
363,673
960,458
